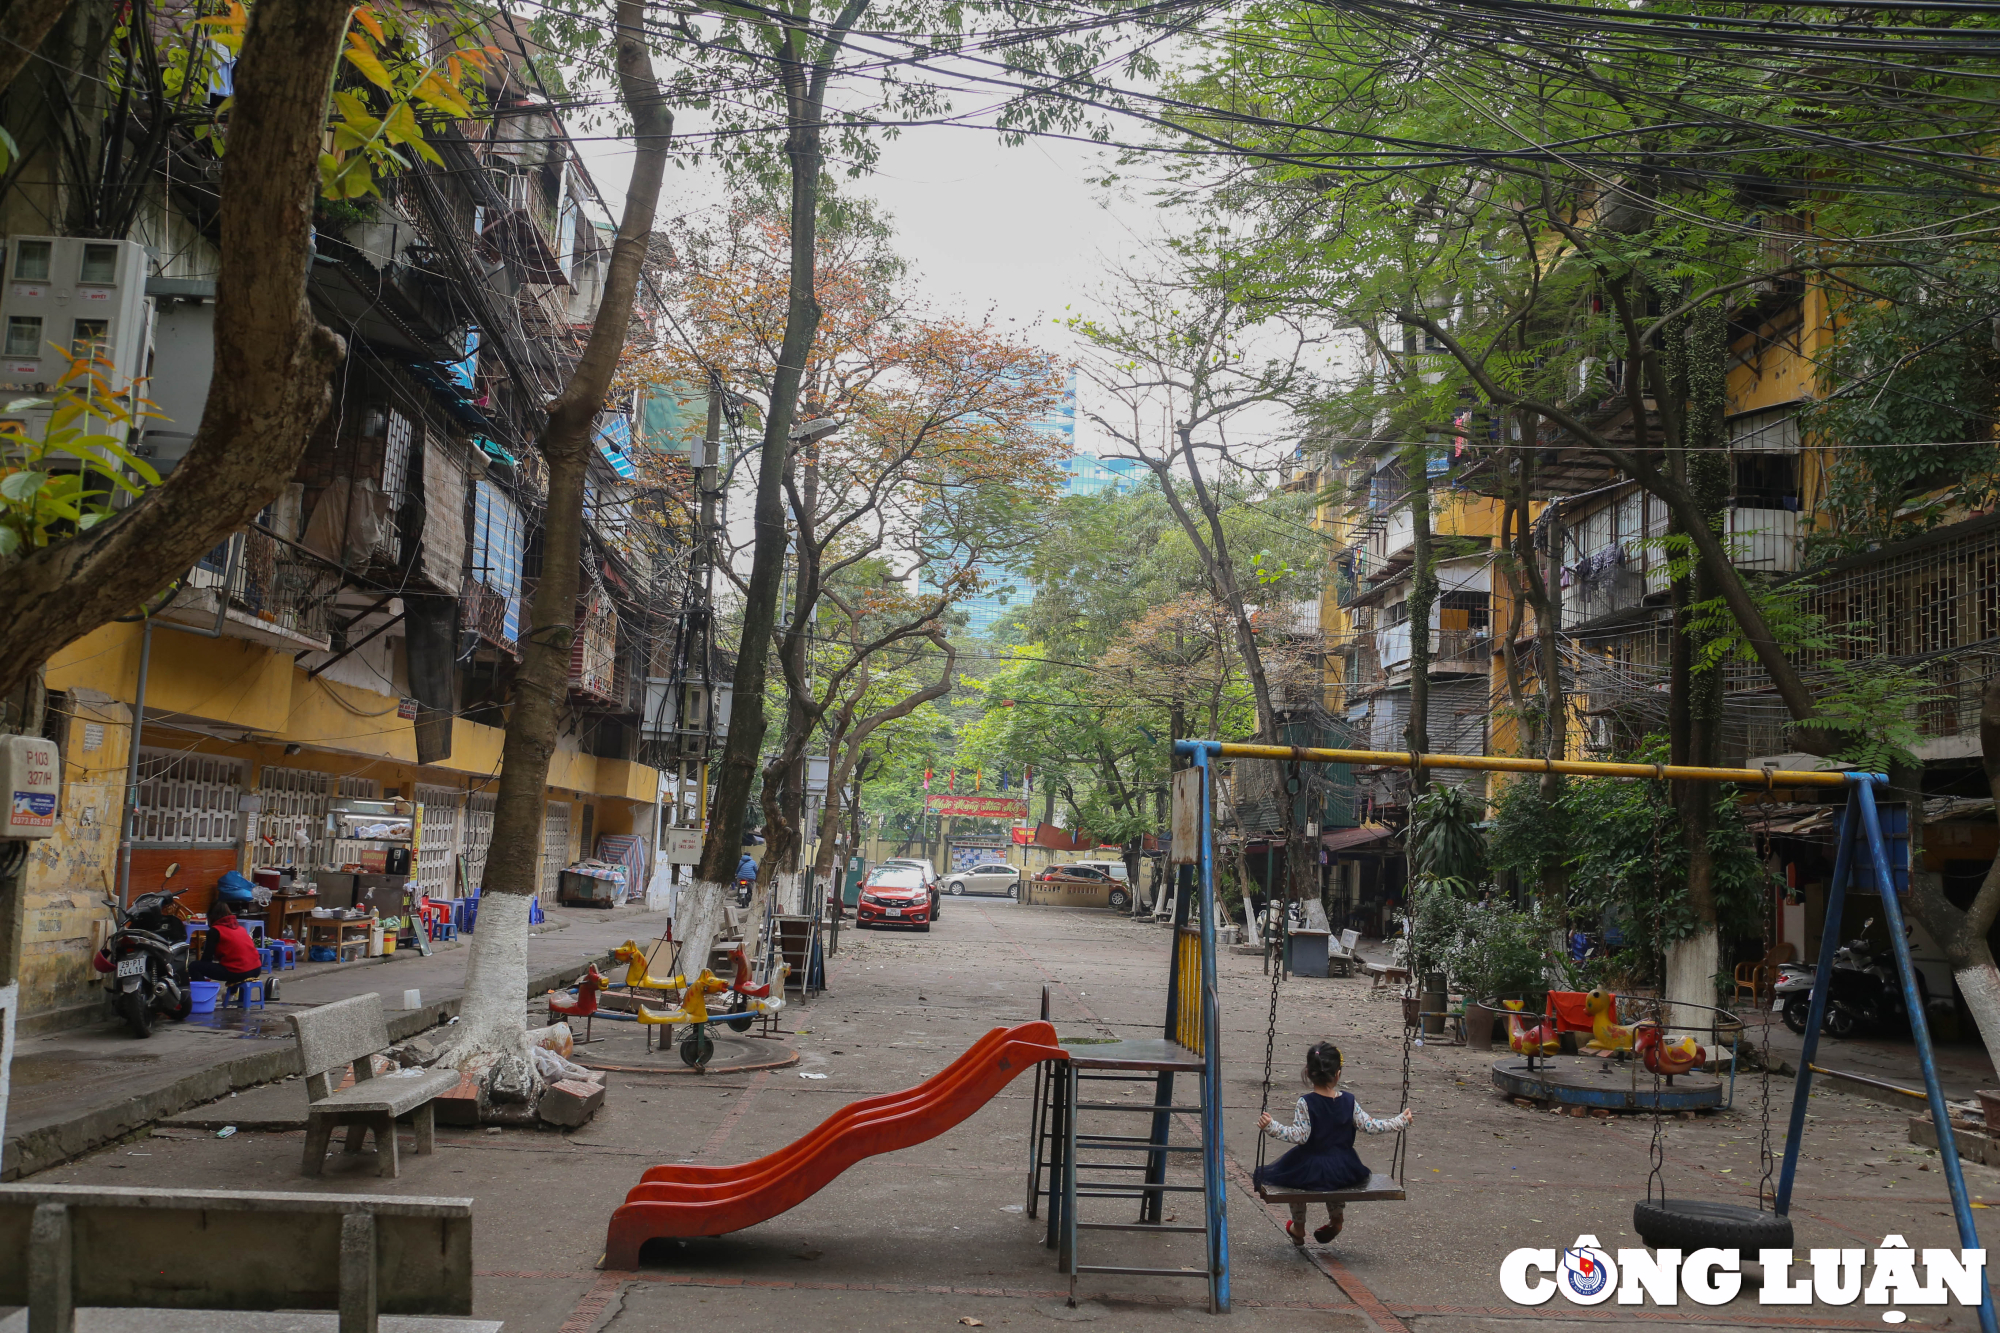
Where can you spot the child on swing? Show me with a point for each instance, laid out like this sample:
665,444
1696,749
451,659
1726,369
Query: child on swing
1322,1132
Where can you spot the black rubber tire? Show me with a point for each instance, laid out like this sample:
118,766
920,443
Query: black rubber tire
1696,1224
1797,1011
1013,890
136,1012
924,929
1841,1021
697,1051
956,888
1120,901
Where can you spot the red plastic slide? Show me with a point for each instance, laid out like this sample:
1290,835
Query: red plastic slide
679,1202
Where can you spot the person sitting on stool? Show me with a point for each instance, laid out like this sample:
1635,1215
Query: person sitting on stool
229,955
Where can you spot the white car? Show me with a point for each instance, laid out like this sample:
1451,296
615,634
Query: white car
985,877
1114,869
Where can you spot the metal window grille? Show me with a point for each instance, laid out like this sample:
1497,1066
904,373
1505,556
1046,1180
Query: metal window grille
188,800
442,808
295,801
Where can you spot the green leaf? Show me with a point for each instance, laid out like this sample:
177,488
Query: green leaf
21,487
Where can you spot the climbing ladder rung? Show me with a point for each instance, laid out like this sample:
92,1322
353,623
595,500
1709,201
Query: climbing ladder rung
1142,1272
1136,1226
1133,1145
1141,1189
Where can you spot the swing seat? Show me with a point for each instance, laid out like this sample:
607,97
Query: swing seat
1379,1189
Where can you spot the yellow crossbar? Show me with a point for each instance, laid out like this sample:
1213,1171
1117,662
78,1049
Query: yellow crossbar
1766,778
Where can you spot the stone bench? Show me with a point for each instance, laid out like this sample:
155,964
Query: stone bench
108,1250
347,1033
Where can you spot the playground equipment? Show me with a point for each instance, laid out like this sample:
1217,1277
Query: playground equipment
681,1202
1606,1033
697,1048
1863,851
583,1006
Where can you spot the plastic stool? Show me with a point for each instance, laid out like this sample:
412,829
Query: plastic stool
243,989
284,954
442,929
534,911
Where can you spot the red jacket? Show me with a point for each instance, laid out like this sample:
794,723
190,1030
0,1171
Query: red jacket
232,947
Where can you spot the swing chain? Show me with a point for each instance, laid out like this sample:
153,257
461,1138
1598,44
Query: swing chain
1765,1158
1656,1153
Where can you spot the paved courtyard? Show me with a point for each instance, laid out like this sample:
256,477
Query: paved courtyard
936,1236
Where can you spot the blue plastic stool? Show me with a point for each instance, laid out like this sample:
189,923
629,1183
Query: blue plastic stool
243,989
284,955
442,929
534,911
269,955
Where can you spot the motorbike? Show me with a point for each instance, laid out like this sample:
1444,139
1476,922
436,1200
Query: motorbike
146,962
745,886
1865,995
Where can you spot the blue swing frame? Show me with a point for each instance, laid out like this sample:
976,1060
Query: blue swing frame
1861,831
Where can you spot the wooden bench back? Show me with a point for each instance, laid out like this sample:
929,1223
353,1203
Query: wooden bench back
79,1245
333,1036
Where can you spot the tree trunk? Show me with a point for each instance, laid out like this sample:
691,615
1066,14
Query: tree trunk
1962,934
1423,596
1695,374
851,760
273,360
805,91
23,25
496,974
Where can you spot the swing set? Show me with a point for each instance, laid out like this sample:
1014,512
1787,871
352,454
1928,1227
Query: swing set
1863,857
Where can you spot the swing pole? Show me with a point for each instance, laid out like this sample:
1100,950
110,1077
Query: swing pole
1766,778
1913,1005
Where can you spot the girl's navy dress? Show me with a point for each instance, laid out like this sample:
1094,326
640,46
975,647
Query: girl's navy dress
1325,1161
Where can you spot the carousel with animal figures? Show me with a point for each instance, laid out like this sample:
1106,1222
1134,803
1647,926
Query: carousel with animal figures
1576,1052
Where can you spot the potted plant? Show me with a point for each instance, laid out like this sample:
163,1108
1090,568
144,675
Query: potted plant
1498,951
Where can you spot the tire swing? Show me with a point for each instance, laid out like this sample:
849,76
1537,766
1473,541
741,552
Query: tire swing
1696,1224
1379,1188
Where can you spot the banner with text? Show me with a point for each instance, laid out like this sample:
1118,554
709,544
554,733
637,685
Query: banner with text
983,807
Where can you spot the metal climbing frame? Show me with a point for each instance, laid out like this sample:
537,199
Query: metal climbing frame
1861,829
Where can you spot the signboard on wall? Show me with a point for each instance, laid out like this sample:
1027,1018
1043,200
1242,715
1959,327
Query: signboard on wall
982,807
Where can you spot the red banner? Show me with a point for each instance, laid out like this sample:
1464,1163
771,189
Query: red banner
1023,836
984,807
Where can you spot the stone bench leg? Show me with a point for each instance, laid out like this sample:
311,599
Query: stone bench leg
384,1126
319,1135
424,1121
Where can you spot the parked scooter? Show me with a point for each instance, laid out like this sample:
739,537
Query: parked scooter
1866,994
147,962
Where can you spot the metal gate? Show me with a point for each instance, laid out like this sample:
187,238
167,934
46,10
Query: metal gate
555,847
432,870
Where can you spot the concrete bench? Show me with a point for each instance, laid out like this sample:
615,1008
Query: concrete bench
109,1249
1340,956
1386,974
348,1032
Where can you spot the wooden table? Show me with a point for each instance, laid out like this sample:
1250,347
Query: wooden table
285,913
340,936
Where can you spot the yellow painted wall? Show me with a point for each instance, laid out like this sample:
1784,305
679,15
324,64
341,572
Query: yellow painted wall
197,688
69,874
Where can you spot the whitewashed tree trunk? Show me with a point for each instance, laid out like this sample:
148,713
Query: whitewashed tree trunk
493,1018
1691,967
1980,985
698,920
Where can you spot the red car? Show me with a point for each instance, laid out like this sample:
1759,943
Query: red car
894,896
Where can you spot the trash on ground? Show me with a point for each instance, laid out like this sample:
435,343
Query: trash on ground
225,1131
